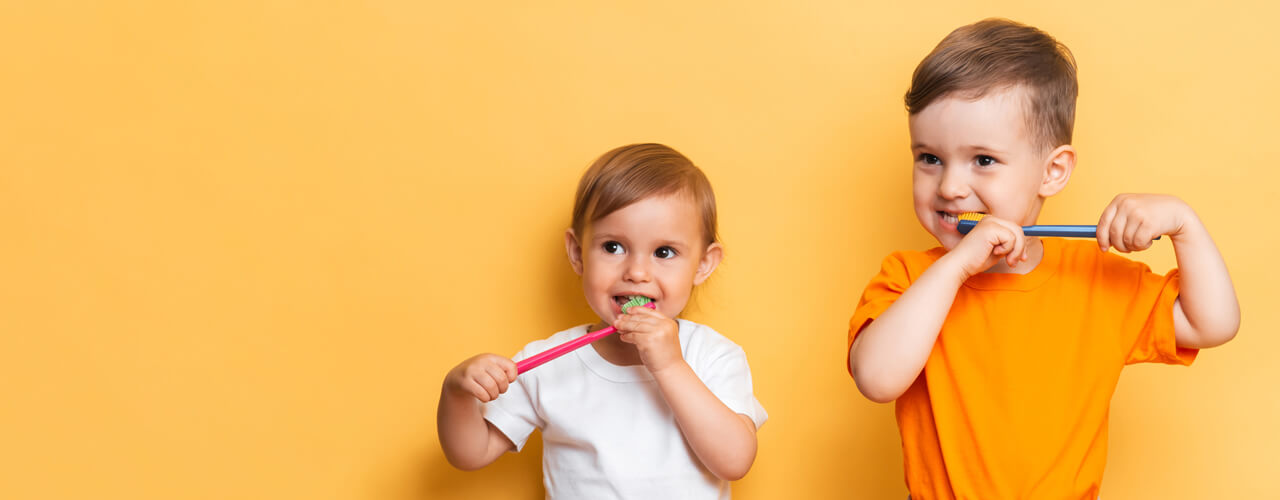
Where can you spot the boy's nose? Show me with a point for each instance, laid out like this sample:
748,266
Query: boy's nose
953,185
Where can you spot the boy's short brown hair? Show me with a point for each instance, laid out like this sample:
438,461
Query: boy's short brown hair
631,173
996,54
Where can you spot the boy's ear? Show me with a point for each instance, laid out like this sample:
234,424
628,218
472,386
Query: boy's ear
574,249
706,266
1060,163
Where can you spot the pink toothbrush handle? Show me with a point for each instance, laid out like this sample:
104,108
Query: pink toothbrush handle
538,359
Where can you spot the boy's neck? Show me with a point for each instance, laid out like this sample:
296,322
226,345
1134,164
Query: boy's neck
1035,253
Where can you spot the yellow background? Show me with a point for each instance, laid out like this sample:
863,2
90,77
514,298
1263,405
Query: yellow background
244,241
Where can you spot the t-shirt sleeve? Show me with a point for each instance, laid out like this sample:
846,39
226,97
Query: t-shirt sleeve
885,287
729,378
1152,318
514,412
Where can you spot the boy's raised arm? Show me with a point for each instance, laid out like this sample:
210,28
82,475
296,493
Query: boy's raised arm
1207,313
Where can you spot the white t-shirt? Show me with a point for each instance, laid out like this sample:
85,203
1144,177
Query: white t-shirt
606,430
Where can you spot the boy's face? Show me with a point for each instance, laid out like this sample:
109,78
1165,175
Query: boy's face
653,247
976,156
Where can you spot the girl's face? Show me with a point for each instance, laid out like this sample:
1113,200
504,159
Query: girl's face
653,247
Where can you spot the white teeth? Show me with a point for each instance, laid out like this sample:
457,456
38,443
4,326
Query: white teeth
949,218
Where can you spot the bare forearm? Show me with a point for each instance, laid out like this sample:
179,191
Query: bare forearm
1207,313
723,440
889,353
463,431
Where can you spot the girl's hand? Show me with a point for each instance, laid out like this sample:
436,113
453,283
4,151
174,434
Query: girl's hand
1132,221
654,335
483,376
987,243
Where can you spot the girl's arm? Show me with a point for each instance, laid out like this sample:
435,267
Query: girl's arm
468,440
724,441
887,356
1206,313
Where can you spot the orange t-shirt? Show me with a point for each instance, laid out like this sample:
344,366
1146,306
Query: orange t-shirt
1014,398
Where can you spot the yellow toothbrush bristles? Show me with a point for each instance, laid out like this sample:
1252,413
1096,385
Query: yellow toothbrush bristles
973,216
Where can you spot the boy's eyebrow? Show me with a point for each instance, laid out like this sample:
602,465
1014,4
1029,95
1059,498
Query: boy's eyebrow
988,149
972,147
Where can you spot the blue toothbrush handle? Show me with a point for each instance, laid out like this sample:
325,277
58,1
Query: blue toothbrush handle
965,226
1063,231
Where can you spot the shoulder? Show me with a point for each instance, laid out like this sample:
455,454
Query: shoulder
702,341
904,266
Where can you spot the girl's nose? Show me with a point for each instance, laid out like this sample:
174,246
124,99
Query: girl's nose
637,270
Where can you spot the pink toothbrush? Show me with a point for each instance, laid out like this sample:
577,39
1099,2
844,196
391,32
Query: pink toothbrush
538,359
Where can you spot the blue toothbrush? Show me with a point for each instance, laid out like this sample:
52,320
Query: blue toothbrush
969,220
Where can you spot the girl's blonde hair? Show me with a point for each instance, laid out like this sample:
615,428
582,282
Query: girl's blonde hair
634,172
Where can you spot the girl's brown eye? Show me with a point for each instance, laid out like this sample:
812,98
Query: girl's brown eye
664,253
612,247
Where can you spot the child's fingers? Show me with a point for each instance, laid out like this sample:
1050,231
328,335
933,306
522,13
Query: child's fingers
499,377
1019,247
1116,232
509,368
1142,237
633,322
1131,234
1104,226
476,387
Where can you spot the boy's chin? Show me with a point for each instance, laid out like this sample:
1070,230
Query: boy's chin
947,240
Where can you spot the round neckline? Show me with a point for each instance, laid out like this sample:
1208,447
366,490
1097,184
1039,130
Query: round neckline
1044,270
618,373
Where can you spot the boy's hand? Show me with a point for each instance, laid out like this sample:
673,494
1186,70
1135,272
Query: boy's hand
987,243
657,337
1132,221
484,376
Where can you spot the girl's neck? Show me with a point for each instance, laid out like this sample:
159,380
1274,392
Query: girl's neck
614,350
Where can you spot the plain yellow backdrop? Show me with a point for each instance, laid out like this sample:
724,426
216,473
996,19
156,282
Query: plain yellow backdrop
244,241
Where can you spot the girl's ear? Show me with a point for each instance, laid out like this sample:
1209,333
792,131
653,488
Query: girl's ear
574,249
710,259
1061,162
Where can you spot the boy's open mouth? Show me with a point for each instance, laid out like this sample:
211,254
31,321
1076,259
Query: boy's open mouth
952,219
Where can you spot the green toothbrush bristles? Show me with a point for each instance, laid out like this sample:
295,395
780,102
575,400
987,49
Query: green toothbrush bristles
636,300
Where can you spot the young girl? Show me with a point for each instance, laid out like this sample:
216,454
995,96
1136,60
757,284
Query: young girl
664,408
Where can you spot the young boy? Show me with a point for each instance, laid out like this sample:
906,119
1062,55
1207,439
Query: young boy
1002,351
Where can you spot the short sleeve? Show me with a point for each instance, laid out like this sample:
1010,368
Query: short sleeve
514,412
885,288
1155,341
729,378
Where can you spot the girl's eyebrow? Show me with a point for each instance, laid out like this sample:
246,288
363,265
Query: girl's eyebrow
605,236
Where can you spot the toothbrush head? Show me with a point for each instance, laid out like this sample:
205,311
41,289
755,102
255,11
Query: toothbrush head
968,221
638,300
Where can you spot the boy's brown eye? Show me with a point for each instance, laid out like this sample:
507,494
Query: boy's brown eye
664,253
612,247
985,161
928,158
